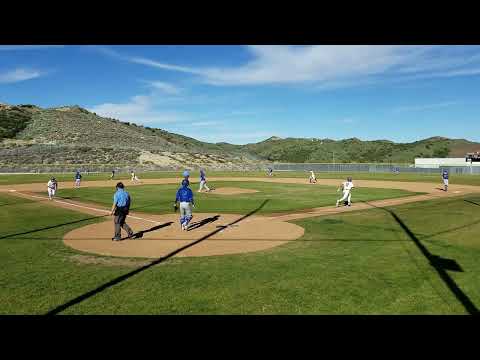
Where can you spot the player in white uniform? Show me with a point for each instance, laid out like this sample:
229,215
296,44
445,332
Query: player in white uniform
134,177
312,179
346,187
52,188
203,181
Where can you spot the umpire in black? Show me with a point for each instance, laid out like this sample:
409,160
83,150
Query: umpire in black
120,208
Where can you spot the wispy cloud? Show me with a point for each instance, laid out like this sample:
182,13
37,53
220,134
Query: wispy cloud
425,106
17,75
206,123
140,109
28,47
165,87
328,66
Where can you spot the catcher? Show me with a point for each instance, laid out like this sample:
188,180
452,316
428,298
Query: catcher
346,187
185,198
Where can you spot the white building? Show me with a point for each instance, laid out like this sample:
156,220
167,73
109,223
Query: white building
438,162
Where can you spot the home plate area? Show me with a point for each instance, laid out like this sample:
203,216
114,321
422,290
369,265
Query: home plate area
209,234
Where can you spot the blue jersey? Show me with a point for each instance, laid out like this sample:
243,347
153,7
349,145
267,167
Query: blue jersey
445,175
184,194
202,176
78,176
121,198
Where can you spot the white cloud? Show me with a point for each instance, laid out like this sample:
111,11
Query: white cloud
329,66
163,66
425,107
165,87
139,109
206,123
18,75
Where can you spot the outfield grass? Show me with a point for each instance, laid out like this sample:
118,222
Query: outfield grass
454,178
282,197
353,263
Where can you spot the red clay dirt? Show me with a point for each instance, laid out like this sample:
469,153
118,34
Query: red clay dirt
251,234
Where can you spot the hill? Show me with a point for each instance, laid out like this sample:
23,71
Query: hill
357,151
71,135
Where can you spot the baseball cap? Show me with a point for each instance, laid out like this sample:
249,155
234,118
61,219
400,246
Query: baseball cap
186,173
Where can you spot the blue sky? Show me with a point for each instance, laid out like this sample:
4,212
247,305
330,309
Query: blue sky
242,94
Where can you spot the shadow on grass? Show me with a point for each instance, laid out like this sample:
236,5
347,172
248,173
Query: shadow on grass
441,265
471,202
126,276
52,227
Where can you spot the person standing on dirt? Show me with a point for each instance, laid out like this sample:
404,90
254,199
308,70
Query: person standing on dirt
445,179
120,209
184,197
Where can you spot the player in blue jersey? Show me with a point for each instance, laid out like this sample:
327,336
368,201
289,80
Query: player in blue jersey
185,199
78,178
445,179
203,181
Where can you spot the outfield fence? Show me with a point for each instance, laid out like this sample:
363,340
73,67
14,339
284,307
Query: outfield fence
107,168
374,168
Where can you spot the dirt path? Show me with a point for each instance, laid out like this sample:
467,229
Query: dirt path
162,235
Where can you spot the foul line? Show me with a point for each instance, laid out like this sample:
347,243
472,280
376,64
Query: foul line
87,207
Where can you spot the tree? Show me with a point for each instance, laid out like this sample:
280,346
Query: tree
441,152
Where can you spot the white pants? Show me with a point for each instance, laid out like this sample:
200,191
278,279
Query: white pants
185,213
445,182
51,192
77,182
203,184
313,179
346,196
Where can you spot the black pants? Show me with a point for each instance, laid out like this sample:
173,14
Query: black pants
119,221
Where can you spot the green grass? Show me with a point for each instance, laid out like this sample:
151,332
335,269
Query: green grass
282,197
353,263
454,178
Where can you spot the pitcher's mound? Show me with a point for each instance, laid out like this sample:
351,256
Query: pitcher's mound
232,191
210,235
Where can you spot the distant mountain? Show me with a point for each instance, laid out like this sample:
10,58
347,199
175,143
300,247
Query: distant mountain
30,135
355,150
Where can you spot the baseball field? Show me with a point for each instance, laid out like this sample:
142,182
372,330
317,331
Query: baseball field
257,245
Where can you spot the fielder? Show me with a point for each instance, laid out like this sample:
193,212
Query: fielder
185,198
113,175
312,179
52,186
203,181
445,179
270,171
78,178
346,187
135,177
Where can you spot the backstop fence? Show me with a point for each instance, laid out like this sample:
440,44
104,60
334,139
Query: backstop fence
374,168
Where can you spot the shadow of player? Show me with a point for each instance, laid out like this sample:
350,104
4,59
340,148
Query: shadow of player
139,235
203,222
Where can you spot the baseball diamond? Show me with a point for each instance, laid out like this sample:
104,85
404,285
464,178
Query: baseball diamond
238,180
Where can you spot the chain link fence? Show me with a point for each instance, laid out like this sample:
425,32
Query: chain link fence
374,168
